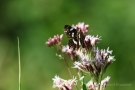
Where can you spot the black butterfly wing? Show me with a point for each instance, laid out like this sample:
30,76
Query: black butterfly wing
70,31
77,37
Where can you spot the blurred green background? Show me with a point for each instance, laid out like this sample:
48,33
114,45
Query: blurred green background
34,21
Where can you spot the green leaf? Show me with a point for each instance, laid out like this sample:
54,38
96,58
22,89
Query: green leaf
84,87
82,79
82,83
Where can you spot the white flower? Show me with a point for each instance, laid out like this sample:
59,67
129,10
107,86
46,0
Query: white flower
92,40
67,50
110,59
82,27
78,65
64,84
104,82
57,82
83,56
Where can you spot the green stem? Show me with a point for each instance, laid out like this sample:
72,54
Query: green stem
102,72
19,64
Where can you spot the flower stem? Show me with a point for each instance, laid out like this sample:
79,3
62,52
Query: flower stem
67,67
19,64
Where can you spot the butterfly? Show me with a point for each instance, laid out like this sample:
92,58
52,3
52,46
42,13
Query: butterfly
76,37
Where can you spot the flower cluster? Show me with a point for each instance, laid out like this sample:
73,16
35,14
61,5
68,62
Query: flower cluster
82,27
64,84
96,65
69,51
91,85
104,82
102,58
55,40
90,41
87,59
